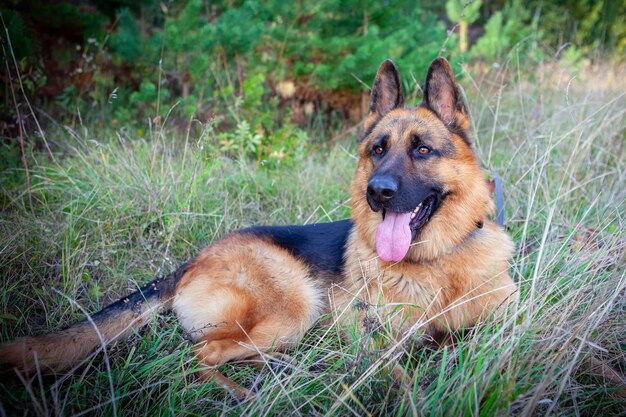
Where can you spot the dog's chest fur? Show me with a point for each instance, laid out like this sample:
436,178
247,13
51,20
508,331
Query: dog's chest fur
437,296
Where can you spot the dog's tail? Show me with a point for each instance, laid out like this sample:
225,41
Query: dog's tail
56,352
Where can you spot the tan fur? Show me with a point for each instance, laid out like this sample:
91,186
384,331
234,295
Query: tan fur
250,291
434,297
454,273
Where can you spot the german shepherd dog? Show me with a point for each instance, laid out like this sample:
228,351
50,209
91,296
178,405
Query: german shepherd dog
419,249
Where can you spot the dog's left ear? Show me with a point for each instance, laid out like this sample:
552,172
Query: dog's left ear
443,96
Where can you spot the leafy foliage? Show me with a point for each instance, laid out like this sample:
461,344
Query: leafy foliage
225,61
461,9
591,25
126,41
503,30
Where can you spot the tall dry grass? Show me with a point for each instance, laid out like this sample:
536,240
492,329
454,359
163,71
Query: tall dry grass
114,210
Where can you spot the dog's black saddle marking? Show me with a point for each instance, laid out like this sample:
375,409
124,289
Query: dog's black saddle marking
321,245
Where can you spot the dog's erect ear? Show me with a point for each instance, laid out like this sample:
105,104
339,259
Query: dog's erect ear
386,93
443,96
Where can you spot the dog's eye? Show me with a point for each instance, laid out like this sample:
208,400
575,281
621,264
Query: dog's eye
423,150
378,150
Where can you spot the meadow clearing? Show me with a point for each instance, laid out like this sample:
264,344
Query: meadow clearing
109,209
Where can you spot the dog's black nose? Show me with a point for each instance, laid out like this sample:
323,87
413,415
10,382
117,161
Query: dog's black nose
382,188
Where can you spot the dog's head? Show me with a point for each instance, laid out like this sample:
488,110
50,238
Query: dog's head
418,190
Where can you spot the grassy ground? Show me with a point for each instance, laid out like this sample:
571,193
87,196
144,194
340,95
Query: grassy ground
112,211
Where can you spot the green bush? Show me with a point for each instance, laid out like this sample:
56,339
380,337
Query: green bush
126,41
503,31
221,61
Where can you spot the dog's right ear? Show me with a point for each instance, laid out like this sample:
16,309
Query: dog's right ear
386,94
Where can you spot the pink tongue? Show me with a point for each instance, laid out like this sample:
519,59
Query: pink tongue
393,236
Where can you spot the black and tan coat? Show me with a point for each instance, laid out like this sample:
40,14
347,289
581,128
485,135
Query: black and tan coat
418,249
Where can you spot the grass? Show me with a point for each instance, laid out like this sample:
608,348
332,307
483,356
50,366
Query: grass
108,216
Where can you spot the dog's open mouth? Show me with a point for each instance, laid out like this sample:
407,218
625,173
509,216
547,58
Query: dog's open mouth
395,234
